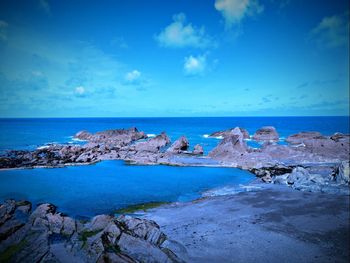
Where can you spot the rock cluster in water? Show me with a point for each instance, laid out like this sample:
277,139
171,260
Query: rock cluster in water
305,149
46,235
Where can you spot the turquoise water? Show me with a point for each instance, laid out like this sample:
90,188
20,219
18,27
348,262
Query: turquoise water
84,191
89,190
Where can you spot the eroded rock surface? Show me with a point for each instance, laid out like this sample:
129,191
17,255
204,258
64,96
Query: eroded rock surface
266,133
46,235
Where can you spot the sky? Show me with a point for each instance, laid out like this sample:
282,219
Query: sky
174,58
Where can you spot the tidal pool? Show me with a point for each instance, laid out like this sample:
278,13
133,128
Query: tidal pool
85,191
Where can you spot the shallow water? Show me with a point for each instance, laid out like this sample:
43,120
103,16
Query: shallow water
84,191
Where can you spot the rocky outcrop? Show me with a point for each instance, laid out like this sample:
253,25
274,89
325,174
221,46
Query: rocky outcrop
299,138
305,179
343,171
227,132
117,136
230,147
49,236
198,149
267,133
180,145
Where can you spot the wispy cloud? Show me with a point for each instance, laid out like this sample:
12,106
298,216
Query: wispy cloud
3,30
45,6
80,91
332,31
234,11
181,34
133,77
195,65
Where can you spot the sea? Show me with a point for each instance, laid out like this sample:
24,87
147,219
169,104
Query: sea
85,191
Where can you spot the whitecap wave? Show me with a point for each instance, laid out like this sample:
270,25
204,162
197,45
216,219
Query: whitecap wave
78,140
42,147
215,137
151,135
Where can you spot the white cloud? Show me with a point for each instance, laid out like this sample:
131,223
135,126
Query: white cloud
80,91
179,34
195,65
133,76
44,5
3,30
332,31
234,11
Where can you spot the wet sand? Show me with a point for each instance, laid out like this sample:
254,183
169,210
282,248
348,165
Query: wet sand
272,224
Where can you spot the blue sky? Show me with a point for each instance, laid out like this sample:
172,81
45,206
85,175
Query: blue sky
174,58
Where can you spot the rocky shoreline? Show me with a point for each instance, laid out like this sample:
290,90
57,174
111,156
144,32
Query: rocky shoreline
309,160
45,235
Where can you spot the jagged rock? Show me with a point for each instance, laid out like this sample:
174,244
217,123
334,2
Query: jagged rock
303,136
41,211
55,222
142,250
267,133
23,206
9,227
152,145
48,236
6,210
198,149
144,229
232,145
112,232
83,135
179,145
340,137
98,222
227,132
342,176
69,226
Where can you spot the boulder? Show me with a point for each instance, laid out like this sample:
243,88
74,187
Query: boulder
98,223
55,222
267,133
141,250
198,149
179,145
227,132
231,146
340,137
69,226
303,136
342,176
83,135
145,229
153,145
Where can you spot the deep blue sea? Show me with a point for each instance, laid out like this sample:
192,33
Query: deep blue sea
89,190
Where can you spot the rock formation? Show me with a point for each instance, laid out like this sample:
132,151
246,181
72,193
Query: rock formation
46,235
226,132
267,133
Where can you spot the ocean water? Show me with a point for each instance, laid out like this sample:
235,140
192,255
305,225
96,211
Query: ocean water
32,133
84,191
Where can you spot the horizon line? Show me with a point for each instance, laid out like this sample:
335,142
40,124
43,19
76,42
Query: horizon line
104,117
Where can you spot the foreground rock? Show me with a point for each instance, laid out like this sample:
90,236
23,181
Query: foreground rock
46,235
